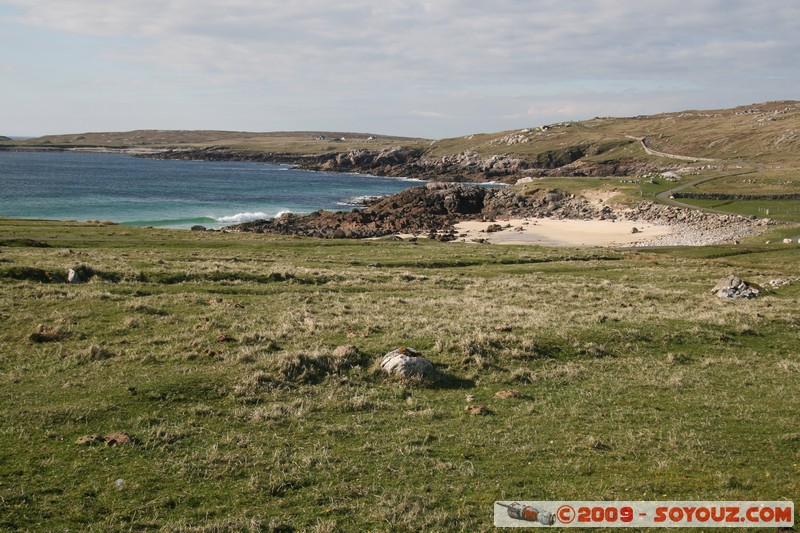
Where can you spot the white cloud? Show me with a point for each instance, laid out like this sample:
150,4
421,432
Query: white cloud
427,114
365,56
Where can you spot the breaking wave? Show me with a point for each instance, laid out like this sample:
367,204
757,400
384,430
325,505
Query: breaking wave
240,218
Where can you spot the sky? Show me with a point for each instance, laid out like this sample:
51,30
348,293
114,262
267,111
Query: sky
429,69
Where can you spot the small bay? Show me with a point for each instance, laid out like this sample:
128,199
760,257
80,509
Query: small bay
171,193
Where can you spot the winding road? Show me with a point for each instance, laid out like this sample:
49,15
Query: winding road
667,196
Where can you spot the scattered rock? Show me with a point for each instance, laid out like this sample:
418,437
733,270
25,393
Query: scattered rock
735,288
224,337
376,265
493,228
73,277
470,398
90,439
477,410
788,241
198,228
406,362
507,394
119,438
635,230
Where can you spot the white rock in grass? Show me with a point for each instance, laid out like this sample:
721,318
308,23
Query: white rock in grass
734,287
73,277
406,362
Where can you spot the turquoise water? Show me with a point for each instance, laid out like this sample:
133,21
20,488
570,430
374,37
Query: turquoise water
171,193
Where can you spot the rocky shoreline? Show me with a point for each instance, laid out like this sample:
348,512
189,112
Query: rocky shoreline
434,209
465,167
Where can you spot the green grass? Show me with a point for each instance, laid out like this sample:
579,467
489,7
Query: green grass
763,182
787,210
218,353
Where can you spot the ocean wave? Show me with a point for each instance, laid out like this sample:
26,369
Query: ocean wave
239,218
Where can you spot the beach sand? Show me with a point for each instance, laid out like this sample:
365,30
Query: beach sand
551,232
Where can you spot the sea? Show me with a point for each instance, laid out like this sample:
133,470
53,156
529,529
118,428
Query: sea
173,193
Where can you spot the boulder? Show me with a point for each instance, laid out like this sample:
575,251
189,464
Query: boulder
119,438
735,288
73,277
198,227
90,439
406,362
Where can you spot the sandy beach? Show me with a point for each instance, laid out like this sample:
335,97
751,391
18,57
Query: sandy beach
566,232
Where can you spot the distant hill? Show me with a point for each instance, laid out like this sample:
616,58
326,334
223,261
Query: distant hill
4,138
279,141
765,135
767,132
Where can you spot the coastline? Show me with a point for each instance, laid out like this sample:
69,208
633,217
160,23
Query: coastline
553,219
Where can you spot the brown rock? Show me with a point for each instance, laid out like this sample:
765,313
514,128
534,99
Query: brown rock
224,337
506,394
90,439
119,439
477,409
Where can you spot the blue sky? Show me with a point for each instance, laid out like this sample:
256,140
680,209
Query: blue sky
419,68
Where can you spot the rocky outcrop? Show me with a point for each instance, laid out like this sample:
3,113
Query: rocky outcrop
434,209
465,166
429,210
733,287
397,161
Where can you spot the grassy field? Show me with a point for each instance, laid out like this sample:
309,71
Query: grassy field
245,368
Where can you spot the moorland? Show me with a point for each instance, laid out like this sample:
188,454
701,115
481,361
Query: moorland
243,368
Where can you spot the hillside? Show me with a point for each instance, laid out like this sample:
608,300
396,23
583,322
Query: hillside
767,133
706,153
